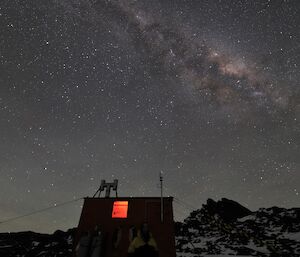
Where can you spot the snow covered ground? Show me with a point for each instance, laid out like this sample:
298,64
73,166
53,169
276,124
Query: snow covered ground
222,255
265,232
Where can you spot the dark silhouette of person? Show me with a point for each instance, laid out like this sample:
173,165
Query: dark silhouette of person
97,243
83,246
132,233
143,245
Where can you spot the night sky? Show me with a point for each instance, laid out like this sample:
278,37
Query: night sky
206,91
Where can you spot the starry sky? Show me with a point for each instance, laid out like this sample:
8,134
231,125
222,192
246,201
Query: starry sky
206,91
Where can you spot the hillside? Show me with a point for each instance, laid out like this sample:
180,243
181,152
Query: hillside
225,227
222,228
30,244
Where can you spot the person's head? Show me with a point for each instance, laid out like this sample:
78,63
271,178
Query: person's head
144,228
145,233
132,233
84,233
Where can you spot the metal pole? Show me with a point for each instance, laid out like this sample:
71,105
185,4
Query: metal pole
161,197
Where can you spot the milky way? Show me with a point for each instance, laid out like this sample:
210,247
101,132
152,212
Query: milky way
230,81
205,91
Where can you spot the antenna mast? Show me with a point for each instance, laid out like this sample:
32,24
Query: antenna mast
107,187
161,197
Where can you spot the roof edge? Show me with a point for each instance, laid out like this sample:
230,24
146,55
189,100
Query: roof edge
128,197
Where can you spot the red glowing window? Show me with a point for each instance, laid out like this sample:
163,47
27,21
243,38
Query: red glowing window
120,209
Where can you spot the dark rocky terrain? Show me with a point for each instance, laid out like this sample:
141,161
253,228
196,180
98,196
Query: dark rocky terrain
30,244
227,228
222,228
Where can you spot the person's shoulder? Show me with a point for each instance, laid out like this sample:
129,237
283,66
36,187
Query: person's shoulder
152,237
137,240
152,242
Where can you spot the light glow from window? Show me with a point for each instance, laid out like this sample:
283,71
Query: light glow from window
120,209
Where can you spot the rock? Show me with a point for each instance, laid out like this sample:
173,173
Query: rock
228,210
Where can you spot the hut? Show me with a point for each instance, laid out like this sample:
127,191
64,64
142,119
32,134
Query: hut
107,224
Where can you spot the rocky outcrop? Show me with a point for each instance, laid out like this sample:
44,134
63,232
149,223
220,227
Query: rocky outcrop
228,210
227,228
30,244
